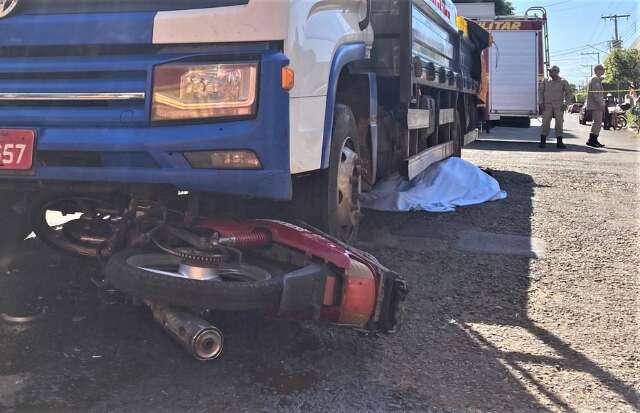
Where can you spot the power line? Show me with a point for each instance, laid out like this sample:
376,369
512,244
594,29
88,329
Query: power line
578,48
630,32
631,36
572,7
592,54
598,29
555,4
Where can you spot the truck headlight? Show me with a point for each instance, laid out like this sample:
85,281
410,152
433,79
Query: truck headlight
184,91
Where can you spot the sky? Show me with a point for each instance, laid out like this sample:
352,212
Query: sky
575,27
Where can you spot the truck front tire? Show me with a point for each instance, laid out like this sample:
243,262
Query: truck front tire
330,199
341,186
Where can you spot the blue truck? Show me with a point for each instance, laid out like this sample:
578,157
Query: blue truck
122,123
254,100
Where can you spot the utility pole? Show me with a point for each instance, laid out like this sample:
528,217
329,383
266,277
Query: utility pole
592,54
616,43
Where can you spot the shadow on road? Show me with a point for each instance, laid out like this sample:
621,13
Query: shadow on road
531,147
487,143
471,309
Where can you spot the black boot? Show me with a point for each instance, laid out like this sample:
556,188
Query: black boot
543,141
593,141
559,143
598,144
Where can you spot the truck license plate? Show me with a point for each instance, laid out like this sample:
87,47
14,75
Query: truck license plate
16,149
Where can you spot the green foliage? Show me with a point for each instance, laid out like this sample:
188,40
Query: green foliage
581,96
623,66
503,7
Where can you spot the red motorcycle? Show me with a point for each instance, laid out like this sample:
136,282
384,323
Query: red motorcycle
182,265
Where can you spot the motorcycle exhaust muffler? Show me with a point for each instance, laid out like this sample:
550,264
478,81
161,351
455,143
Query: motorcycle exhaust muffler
202,340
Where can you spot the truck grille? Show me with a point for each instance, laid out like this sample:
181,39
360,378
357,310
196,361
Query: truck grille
57,91
91,86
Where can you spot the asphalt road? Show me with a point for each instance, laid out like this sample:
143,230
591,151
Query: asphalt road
524,304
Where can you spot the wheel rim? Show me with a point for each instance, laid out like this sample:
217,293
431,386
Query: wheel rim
171,266
348,191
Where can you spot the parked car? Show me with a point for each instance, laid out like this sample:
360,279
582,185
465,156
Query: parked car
574,107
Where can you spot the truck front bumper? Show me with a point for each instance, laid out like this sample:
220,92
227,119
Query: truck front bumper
112,145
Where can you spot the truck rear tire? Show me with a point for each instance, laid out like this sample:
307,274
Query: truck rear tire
15,224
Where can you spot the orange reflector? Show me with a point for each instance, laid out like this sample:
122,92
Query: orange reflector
288,78
359,295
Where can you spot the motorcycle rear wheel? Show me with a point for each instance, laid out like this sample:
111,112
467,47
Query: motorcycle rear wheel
620,122
253,285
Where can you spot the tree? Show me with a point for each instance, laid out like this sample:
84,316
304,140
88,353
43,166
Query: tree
623,67
503,7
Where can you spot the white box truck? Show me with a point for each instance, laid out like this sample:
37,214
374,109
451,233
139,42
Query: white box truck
516,64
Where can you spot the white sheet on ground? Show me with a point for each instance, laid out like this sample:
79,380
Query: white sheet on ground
440,188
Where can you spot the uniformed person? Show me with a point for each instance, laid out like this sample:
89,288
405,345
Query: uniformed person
555,94
595,103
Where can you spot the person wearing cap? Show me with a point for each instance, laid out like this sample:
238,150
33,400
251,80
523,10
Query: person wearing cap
554,95
595,103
